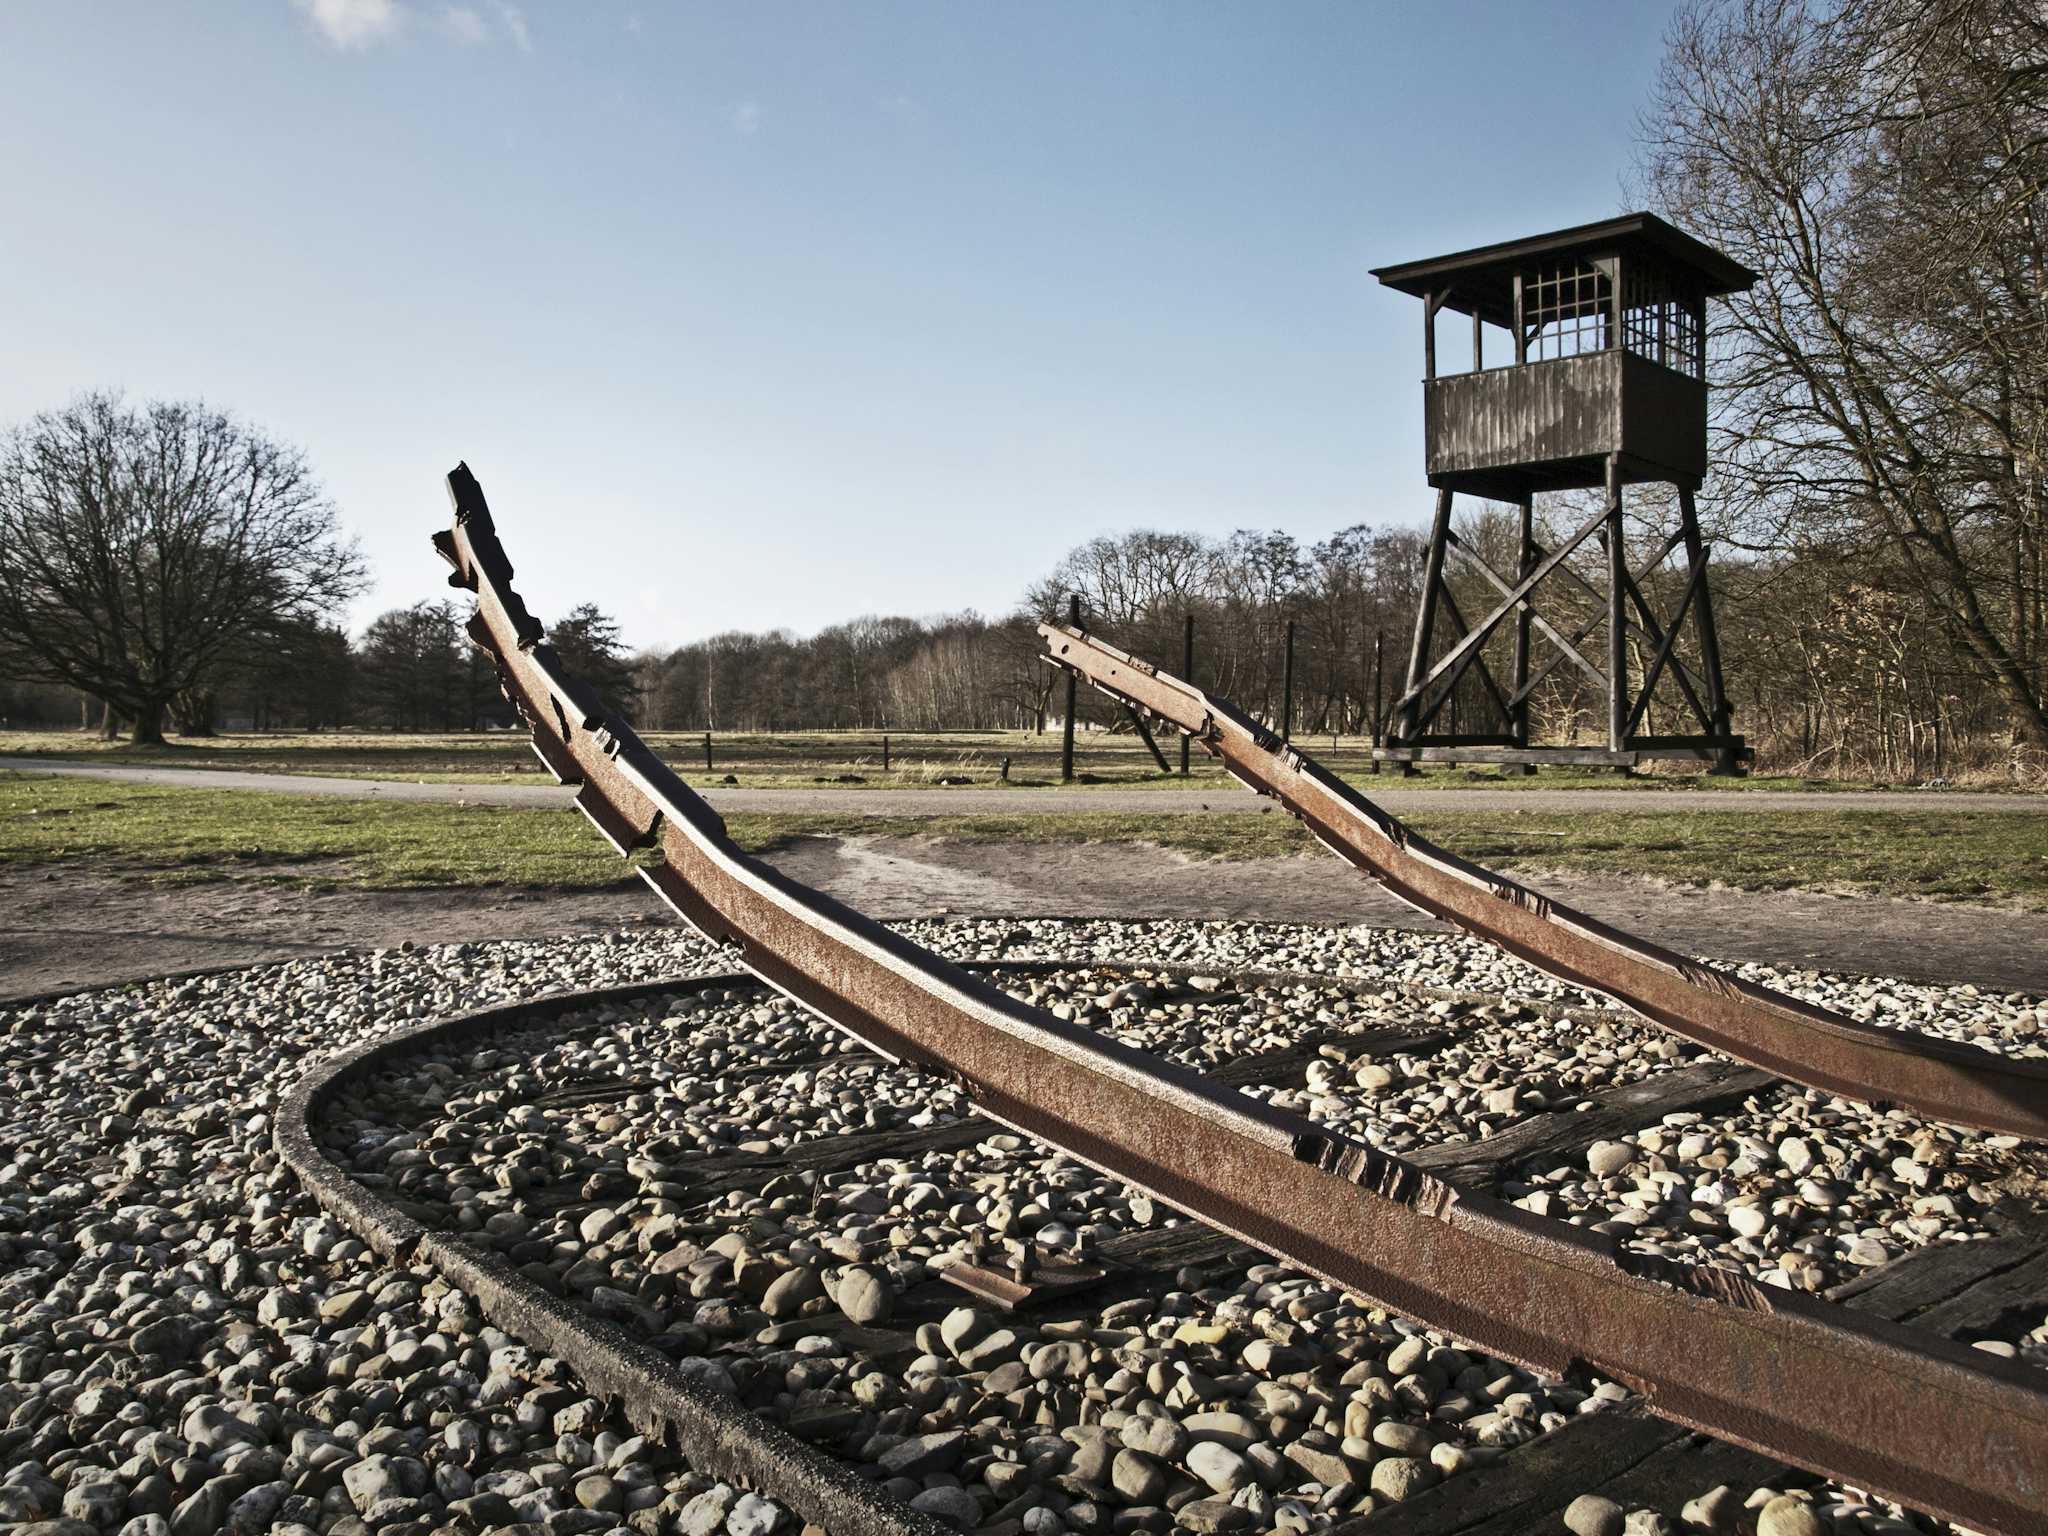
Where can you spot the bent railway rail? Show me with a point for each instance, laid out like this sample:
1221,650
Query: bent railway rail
1794,1039
1705,1347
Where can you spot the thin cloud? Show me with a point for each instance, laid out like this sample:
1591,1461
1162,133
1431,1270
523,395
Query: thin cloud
465,24
357,24
353,23
515,24
746,119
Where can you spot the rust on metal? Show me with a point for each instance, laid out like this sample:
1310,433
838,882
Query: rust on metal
1785,1374
1753,1023
1017,1288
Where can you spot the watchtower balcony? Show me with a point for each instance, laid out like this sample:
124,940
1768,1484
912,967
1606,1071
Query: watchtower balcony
1605,365
1505,433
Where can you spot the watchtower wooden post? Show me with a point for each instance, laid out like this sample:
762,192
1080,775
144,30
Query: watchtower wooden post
1604,388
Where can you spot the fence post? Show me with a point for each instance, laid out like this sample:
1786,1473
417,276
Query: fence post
885,754
1187,675
1287,688
1067,726
1379,645
707,752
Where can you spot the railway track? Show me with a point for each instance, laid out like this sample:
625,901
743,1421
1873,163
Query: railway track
1817,1385
804,1455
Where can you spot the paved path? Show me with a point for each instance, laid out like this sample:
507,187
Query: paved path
1011,802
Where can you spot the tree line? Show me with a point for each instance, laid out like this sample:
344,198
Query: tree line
1832,667
970,672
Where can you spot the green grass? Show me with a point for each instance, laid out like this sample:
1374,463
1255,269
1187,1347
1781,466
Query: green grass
822,760
188,834
201,834
1931,855
802,760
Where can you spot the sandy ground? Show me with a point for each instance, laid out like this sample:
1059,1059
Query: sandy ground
81,927
1010,802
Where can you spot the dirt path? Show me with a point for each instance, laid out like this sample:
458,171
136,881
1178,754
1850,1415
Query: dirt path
74,928
67,928
1010,802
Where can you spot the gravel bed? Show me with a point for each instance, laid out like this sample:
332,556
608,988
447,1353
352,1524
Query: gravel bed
1800,1190
2003,1023
1449,962
189,1345
2009,1024
1505,1063
1202,1021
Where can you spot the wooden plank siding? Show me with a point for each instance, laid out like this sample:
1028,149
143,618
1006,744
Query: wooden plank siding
1663,419
1563,417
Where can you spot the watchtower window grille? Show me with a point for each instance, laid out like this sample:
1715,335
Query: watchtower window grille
1567,308
1660,321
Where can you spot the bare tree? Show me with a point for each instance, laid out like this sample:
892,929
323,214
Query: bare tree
1881,164
139,548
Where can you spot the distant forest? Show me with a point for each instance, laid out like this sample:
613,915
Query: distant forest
1833,668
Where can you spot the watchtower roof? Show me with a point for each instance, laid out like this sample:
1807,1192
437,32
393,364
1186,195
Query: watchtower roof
1481,281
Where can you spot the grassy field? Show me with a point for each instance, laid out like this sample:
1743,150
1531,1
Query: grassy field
188,834
818,760
802,760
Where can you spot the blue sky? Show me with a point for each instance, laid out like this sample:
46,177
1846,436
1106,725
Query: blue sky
755,315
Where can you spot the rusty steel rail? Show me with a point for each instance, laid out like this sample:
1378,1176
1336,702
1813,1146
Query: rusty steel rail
1781,1034
1774,1370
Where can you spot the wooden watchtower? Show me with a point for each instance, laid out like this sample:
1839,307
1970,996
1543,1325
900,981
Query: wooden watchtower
1602,385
